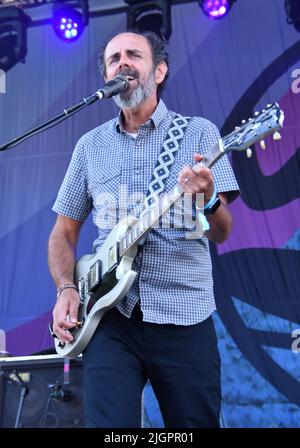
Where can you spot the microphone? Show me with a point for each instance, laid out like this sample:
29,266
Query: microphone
58,393
118,84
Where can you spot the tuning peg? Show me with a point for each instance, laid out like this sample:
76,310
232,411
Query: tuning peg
256,113
262,144
249,153
276,136
243,121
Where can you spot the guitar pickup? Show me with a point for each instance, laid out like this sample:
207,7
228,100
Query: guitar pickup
95,276
113,257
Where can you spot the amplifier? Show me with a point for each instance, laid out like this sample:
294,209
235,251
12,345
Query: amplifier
43,391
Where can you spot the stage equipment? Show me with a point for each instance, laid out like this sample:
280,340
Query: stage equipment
13,36
216,9
70,18
153,15
41,392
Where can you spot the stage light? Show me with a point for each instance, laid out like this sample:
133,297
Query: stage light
13,36
292,9
151,15
69,19
216,9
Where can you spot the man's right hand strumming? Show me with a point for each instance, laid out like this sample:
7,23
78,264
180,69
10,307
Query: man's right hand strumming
65,314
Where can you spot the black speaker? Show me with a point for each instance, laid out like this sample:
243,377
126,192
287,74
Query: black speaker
41,392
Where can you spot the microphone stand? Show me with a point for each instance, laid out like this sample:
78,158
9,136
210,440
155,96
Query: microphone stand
15,379
113,87
23,393
54,121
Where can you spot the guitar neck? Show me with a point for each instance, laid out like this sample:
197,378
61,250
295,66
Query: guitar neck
151,215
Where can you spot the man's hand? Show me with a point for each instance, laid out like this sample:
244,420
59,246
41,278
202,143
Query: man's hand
197,179
65,314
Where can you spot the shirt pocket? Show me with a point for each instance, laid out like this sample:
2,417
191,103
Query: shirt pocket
105,181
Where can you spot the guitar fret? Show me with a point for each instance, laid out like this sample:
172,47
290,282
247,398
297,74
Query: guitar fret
141,227
145,219
154,213
175,193
165,203
134,232
122,245
132,236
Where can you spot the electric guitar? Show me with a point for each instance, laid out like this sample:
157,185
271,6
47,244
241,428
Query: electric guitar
104,278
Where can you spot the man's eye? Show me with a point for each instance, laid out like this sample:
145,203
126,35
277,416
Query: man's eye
113,60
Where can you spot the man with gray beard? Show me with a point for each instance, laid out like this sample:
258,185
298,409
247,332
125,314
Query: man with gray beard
131,98
162,330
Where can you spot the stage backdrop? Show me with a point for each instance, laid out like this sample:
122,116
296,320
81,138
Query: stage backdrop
223,71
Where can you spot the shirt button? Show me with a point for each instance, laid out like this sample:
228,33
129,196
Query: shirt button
137,171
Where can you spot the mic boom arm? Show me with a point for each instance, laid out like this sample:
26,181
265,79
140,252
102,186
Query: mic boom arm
111,88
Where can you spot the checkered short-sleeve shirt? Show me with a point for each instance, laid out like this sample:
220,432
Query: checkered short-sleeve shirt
109,174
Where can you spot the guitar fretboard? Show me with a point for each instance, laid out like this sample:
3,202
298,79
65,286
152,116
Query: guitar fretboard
151,214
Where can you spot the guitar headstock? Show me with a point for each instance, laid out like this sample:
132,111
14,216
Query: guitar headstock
263,123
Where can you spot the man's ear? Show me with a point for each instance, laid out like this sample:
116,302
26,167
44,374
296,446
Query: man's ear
160,72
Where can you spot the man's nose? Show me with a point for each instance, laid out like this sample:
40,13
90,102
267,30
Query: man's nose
123,65
124,61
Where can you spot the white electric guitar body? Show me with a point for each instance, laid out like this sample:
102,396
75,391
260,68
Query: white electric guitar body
104,278
113,288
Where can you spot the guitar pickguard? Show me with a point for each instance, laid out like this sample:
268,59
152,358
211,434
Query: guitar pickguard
109,281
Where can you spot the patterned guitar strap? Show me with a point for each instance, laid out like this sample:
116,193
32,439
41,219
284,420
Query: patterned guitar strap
166,157
165,160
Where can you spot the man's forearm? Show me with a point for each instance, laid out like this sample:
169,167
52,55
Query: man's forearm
61,259
220,225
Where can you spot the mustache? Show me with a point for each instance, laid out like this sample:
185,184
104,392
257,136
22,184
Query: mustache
131,73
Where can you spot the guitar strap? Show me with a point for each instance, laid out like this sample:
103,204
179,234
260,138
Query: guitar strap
166,157
165,161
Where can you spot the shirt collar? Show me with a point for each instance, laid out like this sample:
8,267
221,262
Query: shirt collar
154,121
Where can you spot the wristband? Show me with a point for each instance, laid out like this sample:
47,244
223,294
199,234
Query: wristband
214,207
63,287
211,201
